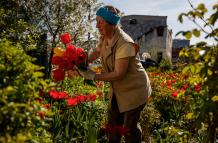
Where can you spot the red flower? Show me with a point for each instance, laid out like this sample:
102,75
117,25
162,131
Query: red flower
116,130
174,94
169,86
168,82
182,90
81,56
197,87
65,38
41,114
162,84
54,94
122,130
108,129
70,73
81,98
173,81
70,66
56,60
71,53
92,97
185,86
48,106
58,74
60,61
72,101
63,95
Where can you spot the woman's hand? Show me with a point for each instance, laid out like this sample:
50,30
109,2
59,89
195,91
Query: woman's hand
119,72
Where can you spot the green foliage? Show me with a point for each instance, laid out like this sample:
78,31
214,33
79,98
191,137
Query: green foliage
79,123
165,64
20,84
203,63
16,26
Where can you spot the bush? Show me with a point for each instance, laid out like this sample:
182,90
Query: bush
20,85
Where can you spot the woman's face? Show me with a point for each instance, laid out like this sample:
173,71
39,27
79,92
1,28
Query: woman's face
104,28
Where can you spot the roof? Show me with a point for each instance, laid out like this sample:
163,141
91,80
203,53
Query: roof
138,25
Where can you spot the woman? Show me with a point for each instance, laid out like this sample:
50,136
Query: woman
130,85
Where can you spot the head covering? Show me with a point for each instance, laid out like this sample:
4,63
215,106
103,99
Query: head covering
108,15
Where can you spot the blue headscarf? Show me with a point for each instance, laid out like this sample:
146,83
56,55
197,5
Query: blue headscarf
108,16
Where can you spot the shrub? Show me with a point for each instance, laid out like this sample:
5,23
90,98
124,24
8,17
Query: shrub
20,84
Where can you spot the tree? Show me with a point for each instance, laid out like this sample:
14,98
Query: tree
203,64
58,16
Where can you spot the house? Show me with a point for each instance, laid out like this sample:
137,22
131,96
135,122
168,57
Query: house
151,33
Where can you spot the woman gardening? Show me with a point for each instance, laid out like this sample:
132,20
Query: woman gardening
130,85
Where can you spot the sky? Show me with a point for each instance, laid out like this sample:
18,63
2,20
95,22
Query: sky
169,8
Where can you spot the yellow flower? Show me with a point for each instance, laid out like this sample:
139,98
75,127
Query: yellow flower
58,51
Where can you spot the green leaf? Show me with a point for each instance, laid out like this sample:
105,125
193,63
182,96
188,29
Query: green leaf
196,32
213,18
189,116
187,34
180,32
209,72
192,68
202,8
185,70
180,17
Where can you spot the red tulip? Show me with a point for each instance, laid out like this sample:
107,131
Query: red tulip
72,101
71,53
65,38
58,74
174,94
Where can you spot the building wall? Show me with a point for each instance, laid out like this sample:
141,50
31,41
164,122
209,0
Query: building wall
156,45
145,33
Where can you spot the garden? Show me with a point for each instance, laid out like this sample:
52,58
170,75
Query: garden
44,99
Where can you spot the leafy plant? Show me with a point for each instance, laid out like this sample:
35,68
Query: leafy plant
20,85
203,63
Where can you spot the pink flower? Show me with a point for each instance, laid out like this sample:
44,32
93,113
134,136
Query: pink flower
72,101
65,38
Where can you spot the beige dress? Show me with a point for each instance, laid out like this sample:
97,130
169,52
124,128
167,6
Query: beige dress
133,90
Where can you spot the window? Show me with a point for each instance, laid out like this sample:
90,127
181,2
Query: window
132,21
160,30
